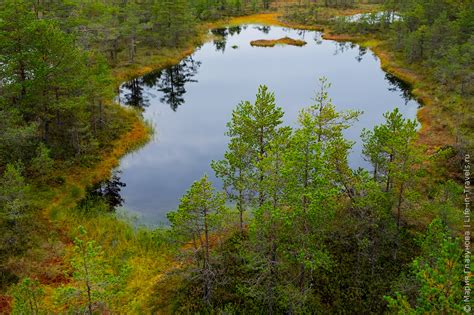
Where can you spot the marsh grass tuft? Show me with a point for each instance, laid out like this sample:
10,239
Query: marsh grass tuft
281,41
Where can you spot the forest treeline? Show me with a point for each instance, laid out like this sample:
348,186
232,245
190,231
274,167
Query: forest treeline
294,231
437,34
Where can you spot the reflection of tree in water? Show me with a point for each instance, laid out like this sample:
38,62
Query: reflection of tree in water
362,52
341,47
108,191
398,85
221,34
220,40
173,80
235,30
301,33
263,29
151,79
133,95
318,38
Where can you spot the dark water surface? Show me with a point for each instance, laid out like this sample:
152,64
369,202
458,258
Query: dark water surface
189,105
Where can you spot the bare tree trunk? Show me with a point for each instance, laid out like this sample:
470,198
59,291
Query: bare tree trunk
88,286
271,287
261,197
400,200
207,280
387,186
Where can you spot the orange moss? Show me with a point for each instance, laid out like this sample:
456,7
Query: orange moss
434,132
340,37
5,304
269,19
281,41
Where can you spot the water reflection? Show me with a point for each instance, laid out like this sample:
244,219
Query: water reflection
132,94
362,52
237,29
220,41
263,29
173,81
170,83
221,35
342,47
397,85
108,191
318,38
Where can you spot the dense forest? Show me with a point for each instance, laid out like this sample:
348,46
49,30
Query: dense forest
294,229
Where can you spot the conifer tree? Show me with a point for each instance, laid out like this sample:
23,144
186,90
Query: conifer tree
197,218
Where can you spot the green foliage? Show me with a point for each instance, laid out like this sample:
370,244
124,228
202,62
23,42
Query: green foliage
42,164
196,219
51,90
173,21
216,9
438,273
15,219
435,37
320,237
18,138
293,255
307,15
14,210
252,128
27,296
394,156
198,208
284,260
95,285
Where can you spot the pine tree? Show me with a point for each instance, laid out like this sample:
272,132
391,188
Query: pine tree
197,218
94,284
438,272
393,154
27,297
173,22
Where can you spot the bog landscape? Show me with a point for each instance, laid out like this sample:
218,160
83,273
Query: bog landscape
236,156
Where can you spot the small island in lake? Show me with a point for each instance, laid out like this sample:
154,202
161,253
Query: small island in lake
281,41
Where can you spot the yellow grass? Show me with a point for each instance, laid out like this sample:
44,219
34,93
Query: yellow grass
268,19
